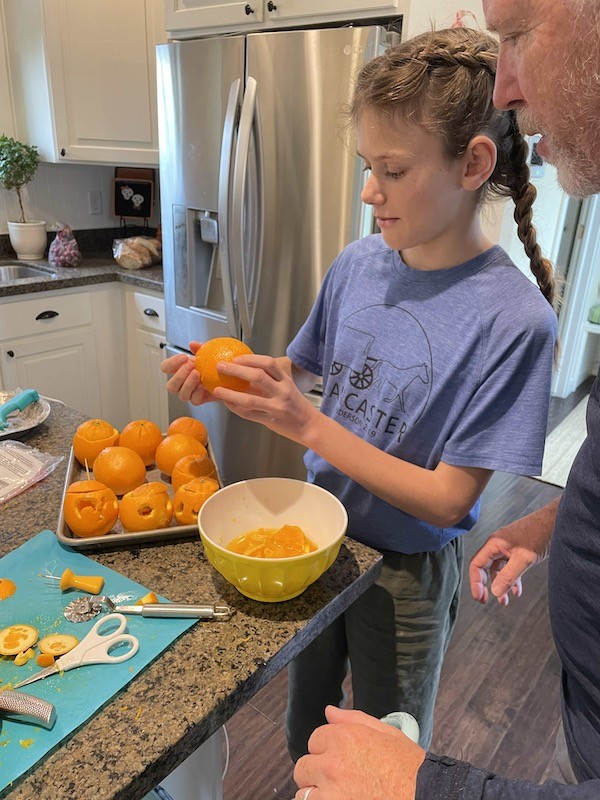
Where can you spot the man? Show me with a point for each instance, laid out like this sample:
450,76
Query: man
549,70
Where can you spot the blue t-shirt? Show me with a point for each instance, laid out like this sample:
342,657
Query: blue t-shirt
448,365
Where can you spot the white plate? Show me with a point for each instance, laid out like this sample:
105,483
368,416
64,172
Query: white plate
20,421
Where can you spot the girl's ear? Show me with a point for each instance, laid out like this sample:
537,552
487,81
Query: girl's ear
479,162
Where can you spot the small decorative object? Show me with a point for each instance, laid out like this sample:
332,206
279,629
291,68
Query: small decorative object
64,251
18,165
133,194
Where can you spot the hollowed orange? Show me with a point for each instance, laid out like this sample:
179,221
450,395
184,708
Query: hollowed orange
190,497
174,447
190,467
143,437
193,427
91,437
146,508
224,348
90,508
120,468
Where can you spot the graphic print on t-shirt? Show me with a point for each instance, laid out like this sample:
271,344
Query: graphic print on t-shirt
380,375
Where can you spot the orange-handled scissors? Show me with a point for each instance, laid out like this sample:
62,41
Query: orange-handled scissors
95,648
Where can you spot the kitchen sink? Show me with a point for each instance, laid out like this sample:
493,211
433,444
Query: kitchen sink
13,270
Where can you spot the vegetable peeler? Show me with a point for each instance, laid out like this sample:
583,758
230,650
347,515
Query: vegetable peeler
85,608
17,403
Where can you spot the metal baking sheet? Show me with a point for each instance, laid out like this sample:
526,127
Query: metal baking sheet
116,536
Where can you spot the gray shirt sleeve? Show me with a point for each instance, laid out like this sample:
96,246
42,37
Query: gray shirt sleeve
443,778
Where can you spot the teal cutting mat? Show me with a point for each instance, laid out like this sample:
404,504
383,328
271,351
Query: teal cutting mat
79,693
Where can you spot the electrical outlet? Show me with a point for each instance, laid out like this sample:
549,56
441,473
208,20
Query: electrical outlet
95,201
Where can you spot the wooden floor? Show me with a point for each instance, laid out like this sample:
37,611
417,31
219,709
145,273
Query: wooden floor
498,701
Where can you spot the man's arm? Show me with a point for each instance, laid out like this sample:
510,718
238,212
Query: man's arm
509,553
356,757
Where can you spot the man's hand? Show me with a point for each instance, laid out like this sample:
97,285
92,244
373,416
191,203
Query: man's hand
356,757
509,553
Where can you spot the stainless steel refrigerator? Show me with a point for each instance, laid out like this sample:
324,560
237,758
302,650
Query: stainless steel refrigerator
260,190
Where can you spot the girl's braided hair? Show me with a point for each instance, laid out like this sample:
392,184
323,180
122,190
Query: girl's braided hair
443,81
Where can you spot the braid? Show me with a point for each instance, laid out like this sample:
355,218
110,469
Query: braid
475,56
512,173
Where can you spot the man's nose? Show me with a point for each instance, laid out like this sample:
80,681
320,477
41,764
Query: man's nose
507,90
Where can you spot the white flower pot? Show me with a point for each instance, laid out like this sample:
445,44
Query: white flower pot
28,239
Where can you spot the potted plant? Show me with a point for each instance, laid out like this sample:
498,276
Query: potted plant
18,165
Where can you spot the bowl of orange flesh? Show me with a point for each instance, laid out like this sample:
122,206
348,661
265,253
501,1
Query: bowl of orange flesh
281,505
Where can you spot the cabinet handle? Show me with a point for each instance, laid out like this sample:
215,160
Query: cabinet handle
271,6
150,312
10,353
47,315
63,152
162,345
248,9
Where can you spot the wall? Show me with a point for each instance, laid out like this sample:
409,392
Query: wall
59,193
440,14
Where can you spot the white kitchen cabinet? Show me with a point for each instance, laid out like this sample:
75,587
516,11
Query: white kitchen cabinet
48,344
146,346
70,346
201,17
83,77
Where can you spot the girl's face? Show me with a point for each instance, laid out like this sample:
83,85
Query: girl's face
417,194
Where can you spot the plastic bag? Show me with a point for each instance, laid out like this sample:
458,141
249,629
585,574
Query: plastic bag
64,251
137,252
22,466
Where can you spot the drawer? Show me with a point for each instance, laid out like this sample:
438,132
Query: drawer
44,314
146,311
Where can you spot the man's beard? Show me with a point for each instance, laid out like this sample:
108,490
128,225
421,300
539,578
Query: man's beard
574,145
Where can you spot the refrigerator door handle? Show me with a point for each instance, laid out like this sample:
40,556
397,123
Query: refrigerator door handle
245,286
224,202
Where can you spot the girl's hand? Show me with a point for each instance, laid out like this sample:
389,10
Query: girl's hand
273,399
185,378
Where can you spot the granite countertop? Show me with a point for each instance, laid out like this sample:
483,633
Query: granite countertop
199,682
95,268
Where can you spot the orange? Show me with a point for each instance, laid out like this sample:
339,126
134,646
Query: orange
90,508
143,437
16,639
193,427
7,588
91,437
174,447
289,540
190,497
120,468
224,348
190,467
146,508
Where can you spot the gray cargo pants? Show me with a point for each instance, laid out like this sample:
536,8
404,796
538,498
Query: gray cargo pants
394,636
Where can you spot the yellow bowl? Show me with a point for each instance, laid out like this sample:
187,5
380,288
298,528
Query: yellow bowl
271,503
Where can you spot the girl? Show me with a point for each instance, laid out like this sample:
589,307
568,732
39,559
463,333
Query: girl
435,354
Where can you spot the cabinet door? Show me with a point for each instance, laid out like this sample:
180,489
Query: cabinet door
181,15
284,9
83,77
59,365
102,67
148,393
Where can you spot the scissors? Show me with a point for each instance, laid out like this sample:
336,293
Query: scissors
93,649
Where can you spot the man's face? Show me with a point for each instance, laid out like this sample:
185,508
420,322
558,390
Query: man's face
549,70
